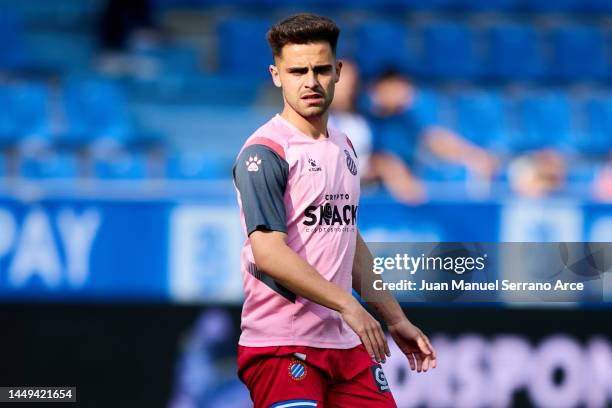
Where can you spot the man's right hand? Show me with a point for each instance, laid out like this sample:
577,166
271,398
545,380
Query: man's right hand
367,328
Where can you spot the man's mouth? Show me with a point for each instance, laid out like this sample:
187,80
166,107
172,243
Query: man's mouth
312,96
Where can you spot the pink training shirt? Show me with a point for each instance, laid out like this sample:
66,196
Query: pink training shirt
286,181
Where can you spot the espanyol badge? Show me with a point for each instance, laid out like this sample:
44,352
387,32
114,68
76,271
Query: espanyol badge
350,163
297,370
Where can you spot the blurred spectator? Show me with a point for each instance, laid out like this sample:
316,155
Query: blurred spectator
538,173
602,186
121,19
126,26
399,132
345,117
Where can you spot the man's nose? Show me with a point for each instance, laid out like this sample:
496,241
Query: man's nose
311,80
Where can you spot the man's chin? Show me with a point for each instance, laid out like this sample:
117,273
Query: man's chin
313,111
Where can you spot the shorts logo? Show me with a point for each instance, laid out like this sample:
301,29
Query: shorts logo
350,163
297,370
379,378
253,163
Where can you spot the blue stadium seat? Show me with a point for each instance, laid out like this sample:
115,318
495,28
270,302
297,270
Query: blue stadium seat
544,120
427,106
95,109
127,166
426,4
164,5
57,51
50,166
493,5
579,53
480,116
243,48
199,166
550,6
382,45
25,113
595,6
175,59
443,171
596,136
449,51
513,53
12,49
57,13
583,172
7,131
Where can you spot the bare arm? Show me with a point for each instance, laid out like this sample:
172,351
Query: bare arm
381,301
275,258
452,147
409,338
398,178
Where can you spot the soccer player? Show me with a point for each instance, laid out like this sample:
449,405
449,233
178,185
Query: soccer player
306,341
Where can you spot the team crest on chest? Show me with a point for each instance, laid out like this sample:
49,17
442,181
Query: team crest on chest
297,370
350,163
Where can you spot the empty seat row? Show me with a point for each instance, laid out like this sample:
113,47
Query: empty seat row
588,6
81,111
509,51
441,50
124,166
575,124
92,111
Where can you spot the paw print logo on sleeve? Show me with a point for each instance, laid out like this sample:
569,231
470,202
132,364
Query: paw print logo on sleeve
253,163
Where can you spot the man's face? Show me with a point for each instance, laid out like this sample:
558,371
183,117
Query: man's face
307,73
393,95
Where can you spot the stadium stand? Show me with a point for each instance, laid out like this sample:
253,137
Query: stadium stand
507,84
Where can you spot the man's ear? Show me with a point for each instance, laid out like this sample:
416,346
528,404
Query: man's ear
275,77
338,69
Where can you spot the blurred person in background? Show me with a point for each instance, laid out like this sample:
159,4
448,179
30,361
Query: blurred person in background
537,174
344,116
399,132
125,26
120,20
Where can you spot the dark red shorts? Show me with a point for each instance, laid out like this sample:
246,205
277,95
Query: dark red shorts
306,377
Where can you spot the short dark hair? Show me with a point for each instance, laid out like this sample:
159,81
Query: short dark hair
391,72
302,29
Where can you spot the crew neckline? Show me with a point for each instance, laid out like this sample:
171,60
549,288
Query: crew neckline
296,129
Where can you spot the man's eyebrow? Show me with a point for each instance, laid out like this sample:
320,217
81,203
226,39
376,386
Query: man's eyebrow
297,69
305,69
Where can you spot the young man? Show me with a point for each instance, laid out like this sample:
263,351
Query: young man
306,341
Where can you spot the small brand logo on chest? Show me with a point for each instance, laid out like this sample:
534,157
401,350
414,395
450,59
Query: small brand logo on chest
313,166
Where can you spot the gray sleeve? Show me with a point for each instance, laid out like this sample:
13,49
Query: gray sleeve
260,175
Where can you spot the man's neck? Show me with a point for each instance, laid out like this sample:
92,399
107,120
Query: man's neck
315,127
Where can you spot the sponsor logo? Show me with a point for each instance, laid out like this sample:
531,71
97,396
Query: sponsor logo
297,370
341,196
313,165
328,214
379,378
350,163
253,163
